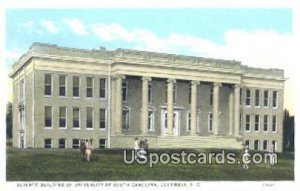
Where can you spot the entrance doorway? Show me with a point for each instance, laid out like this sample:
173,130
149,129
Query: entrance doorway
164,124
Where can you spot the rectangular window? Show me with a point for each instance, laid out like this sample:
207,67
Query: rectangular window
210,122
275,99
48,116
76,118
266,123
62,85
256,145
188,124
266,98
241,96
89,86
62,117
76,144
248,123
274,123
190,94
62,143
150,92
211,95
125,119
151,120
248,97
48,84
22,90
102,90
102,143
274,146
102,118
257,123
174,92
89,117
124,91
48,143
247,143
265,145
241,122
257,98
76,84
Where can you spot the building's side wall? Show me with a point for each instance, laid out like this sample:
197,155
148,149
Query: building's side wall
25,74
270,111
55,101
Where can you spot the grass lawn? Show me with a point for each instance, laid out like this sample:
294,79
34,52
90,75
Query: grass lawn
68,165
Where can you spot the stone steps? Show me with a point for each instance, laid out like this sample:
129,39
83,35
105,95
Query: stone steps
198,142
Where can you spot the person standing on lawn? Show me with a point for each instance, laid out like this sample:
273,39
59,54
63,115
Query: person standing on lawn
82,148
136,146
88,151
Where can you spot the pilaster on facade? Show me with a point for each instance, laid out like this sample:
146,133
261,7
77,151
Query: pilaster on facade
118,103
237,88
145,105
170,105
194,85
216,95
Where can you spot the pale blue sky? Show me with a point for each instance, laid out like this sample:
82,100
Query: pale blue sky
209,24
256,37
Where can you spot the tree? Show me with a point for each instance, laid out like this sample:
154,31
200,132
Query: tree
288,132
9,120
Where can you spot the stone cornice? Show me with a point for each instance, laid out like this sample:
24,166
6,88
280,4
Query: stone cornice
145,58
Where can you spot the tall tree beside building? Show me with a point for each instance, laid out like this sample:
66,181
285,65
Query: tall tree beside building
9,118
288,132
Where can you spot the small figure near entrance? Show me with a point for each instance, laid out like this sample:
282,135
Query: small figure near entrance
245,157
146,146
136,146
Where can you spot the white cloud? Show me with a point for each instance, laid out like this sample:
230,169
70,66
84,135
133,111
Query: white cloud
50,26
76,26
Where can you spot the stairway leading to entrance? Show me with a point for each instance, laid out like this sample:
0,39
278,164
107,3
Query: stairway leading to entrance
211,141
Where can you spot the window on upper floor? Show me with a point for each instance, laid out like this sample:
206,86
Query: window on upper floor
266,123
274,124
76,84
76,118
48,84
248,123
124,91
257,98
62,117
89,117
266,98
22,90
62,85
257,123
48,116
89,86
248,97
150,92
102,118
275,99
102,90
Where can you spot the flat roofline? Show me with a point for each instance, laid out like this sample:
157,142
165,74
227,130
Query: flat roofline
37,48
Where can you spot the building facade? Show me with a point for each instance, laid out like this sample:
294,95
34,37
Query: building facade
62,95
